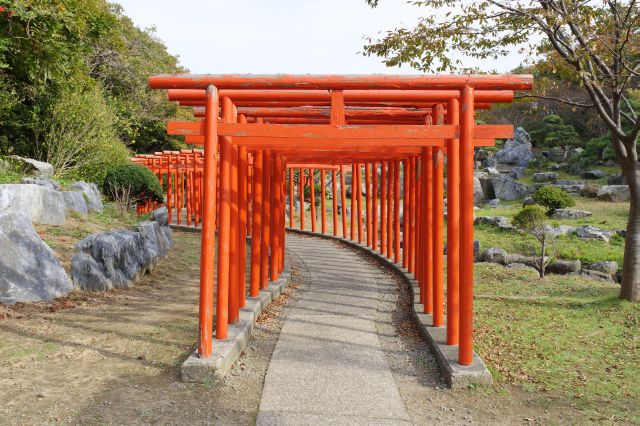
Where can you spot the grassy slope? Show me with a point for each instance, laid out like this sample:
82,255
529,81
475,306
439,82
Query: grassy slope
567,335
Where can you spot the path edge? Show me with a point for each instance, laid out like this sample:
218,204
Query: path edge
456,375
212,370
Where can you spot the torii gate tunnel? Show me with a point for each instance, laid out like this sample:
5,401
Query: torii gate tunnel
260,132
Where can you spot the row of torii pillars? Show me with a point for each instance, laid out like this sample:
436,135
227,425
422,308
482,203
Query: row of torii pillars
255,128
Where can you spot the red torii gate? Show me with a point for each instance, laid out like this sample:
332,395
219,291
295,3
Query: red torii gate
320,122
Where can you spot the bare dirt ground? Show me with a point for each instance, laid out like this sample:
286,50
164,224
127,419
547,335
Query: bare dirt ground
114,359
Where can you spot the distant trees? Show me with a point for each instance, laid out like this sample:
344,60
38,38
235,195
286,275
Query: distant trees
54,53
554,132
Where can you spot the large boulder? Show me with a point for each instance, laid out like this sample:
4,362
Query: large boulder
593,174
596,275
76,202
117,259
563,267
503,188
30,271
618,179
613,193
523,267
593,233
91,193
478,193
571,186
516,172
161,215
516,151
557,154
545,176
47,183
556,231
32,167
608,267
494,255
38,203
569,214
497,221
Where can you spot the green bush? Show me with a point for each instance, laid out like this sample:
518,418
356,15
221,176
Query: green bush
530,217
137,180
552,197
554,132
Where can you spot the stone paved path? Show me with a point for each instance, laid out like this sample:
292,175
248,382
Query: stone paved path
328,366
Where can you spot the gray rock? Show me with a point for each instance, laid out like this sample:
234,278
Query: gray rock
613,193
593,174
92,194
618,179
569,214
494,204
498,221
503,188
622,233
569,182
557,154
593,233
563,267
608,267
596,275
574,153
517,150
516,172
490,161
76,202
47,183
161,215
492,171
522,259
31,167
528,201
571,186
556,231
40,204
478,193
558,167
30,271
523,267
118,258
494,255
545,176
590,190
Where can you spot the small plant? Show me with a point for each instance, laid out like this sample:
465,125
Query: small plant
552,198
130,184
533,221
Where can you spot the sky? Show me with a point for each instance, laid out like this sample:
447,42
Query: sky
279,36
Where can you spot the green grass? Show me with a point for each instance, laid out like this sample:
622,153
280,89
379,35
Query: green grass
566,335
8,176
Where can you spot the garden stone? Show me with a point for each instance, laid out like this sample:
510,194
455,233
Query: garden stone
528,201
557,154
613,193
161,215
523,267
571,186
490,161
157,240
517,150
545,176
608,267
591,232
492,171
498,221
563,267
574,153
516,172
494,204
40,204
494,255
503,188
569,214
92,193
31,167
29,269
520,258
47,183
75,202
618,179
596,275
478,193
622,233
590,190
556,231
593,174
576,168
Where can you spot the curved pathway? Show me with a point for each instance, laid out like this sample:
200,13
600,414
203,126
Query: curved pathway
328,366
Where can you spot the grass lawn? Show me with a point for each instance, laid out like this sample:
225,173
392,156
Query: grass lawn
569,336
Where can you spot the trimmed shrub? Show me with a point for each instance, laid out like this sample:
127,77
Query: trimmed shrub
529,218
135,180
552,197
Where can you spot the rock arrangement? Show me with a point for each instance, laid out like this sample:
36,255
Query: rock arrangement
29,269
117,259
605,271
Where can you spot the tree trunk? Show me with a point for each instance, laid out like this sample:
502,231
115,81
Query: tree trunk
542,265
630,288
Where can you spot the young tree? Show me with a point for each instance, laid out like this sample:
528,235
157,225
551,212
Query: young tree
533,221
592,43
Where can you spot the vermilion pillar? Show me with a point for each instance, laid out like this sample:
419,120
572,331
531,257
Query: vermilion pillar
291,198
207,247
343,200
334,199
396,211
265,241
367,183
256,223
412,216
465,354
301,196
390,185
323,213
276,206
353,201
383,207
405,213
312,187
243,164
358,187
428,230
374,207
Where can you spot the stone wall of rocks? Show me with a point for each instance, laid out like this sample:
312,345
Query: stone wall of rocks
117,259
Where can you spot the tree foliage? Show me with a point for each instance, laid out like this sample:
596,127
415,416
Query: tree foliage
552,198
554,132
53,52
533,221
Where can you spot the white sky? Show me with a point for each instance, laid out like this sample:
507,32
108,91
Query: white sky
279,36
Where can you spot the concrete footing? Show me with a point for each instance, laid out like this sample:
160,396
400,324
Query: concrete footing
225,352
456,375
